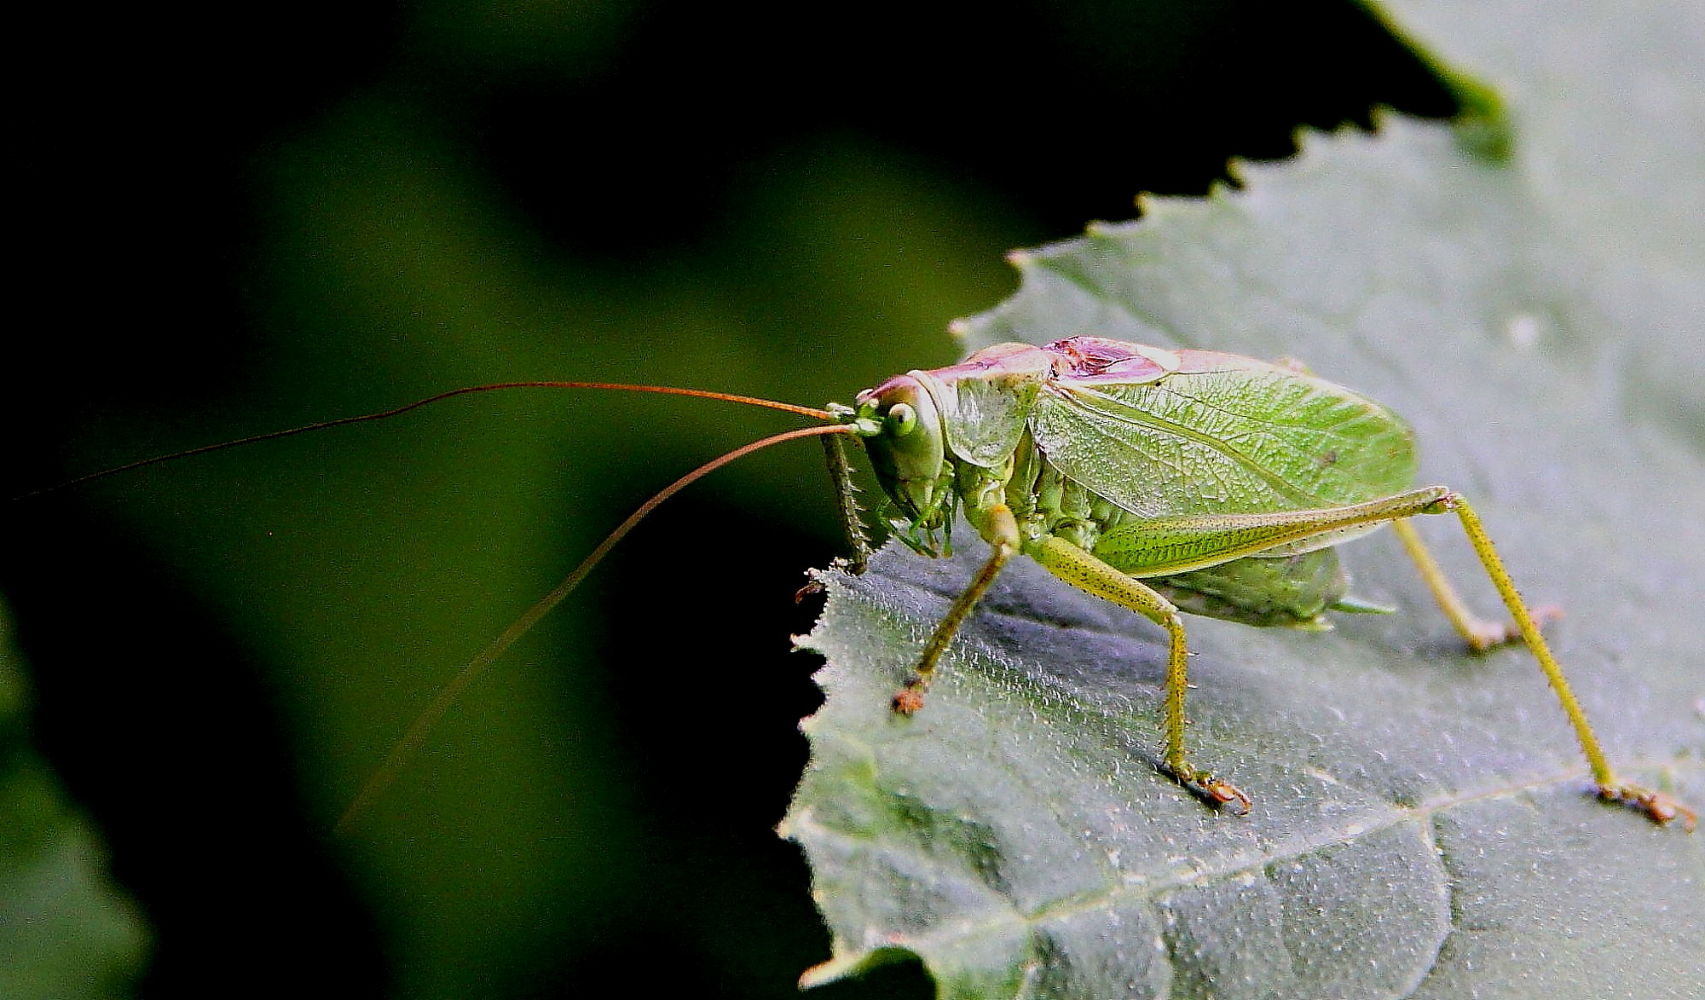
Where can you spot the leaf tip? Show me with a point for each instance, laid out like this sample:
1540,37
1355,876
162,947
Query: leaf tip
1484,126
842,966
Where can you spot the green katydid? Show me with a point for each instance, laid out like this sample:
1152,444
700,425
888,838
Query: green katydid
1167,480
1162,481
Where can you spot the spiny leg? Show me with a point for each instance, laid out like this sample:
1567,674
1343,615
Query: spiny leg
846,501
1002,534
1480,633
1659,807
846,495
1091,575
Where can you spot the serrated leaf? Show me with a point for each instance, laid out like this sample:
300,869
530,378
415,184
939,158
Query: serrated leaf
1422,825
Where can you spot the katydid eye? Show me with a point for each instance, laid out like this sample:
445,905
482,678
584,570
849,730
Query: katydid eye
902,419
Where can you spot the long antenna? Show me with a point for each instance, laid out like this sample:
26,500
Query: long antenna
415,736
398,411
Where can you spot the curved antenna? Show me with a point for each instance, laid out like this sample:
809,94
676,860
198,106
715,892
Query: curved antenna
412,740
807,411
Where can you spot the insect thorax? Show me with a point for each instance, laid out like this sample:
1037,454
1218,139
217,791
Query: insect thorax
1047,502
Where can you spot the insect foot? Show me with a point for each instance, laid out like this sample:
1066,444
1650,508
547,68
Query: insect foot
909,698
1210,789
1485,635
1658,807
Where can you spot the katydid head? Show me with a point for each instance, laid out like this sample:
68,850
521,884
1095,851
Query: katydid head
902,432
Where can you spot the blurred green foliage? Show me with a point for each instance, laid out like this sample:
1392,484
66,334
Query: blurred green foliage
337,208
64,930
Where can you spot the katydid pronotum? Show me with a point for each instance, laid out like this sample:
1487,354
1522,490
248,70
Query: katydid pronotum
1163,481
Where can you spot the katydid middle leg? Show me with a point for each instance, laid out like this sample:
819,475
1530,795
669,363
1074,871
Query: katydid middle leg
1091,575
1161,546
1000,529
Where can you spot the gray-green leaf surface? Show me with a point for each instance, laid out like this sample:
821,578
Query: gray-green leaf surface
1422,825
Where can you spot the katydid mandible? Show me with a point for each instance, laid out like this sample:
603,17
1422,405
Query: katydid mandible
1163,481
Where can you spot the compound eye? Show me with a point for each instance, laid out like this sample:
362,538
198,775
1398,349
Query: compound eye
902,419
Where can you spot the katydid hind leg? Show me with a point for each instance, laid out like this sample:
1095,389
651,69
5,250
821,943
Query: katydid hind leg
1093,576
1479,633
1657,806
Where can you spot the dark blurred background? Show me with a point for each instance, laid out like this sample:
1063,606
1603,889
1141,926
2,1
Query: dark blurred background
248,217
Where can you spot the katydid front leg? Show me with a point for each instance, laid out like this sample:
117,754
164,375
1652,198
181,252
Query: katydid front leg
852,518
846,497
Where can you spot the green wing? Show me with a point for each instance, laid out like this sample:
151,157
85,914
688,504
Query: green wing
1223,433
